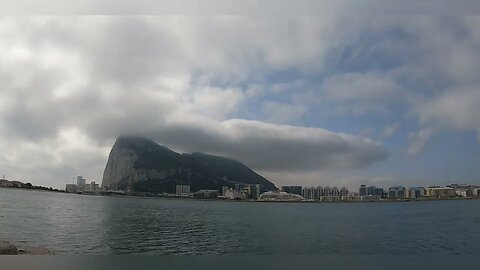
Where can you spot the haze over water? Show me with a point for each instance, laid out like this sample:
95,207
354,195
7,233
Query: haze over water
77,224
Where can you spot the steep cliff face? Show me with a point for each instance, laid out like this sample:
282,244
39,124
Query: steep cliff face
142,165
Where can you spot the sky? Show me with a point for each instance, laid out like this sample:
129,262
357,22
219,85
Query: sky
303,100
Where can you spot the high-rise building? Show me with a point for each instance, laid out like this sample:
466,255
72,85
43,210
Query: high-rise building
319,191
293,189
415,192
334,191
81,181
362,191
255,191
397,192
326,191
378,192
371,190
310,193
343,191
182,189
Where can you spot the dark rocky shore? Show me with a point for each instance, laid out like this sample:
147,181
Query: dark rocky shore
7,248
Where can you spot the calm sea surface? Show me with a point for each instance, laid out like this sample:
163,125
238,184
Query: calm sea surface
76,224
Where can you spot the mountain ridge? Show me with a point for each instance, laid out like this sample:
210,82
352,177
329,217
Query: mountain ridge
142,165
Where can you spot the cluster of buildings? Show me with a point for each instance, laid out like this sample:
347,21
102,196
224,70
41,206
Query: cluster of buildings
238,192
373,193
298,193
83,187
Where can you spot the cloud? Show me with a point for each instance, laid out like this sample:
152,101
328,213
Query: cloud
72,85
456,109
267,146
360,86
389,130
282,113
419,141
231,85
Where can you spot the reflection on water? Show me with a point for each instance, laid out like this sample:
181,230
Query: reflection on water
76,224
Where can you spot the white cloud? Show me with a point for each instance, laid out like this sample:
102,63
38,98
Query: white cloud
71,85
360,86
181,80
283,113
419,140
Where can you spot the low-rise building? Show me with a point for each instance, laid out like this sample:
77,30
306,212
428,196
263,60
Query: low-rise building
6,183
71,188
343,192
441,192
206,194
232,194
330,198
280,196
94,187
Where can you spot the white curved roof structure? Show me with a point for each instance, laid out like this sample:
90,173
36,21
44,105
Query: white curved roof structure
280,196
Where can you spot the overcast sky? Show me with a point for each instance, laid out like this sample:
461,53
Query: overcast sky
308,100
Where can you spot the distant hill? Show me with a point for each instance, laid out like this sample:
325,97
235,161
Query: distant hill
17,184
141,165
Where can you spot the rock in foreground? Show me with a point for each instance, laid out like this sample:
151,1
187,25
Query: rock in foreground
7,248
35,251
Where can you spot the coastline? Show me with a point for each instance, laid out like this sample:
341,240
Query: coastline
424,199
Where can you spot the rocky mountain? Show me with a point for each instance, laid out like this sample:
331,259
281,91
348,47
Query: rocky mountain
141,165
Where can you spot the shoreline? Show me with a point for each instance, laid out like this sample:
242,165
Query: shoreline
424,199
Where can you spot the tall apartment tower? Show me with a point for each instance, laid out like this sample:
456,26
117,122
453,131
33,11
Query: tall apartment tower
81,181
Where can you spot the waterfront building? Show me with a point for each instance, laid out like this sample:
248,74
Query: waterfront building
362,191
379,192
247,190
310,193
94,186
371,190
293,189
6,183
326,191
343,192
232,194
330,198
370,198
463,190
182,189
319,191
415,192
81,181
441,192
335,192
71,188
206,194
255,191
224,190
280,196
396,192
